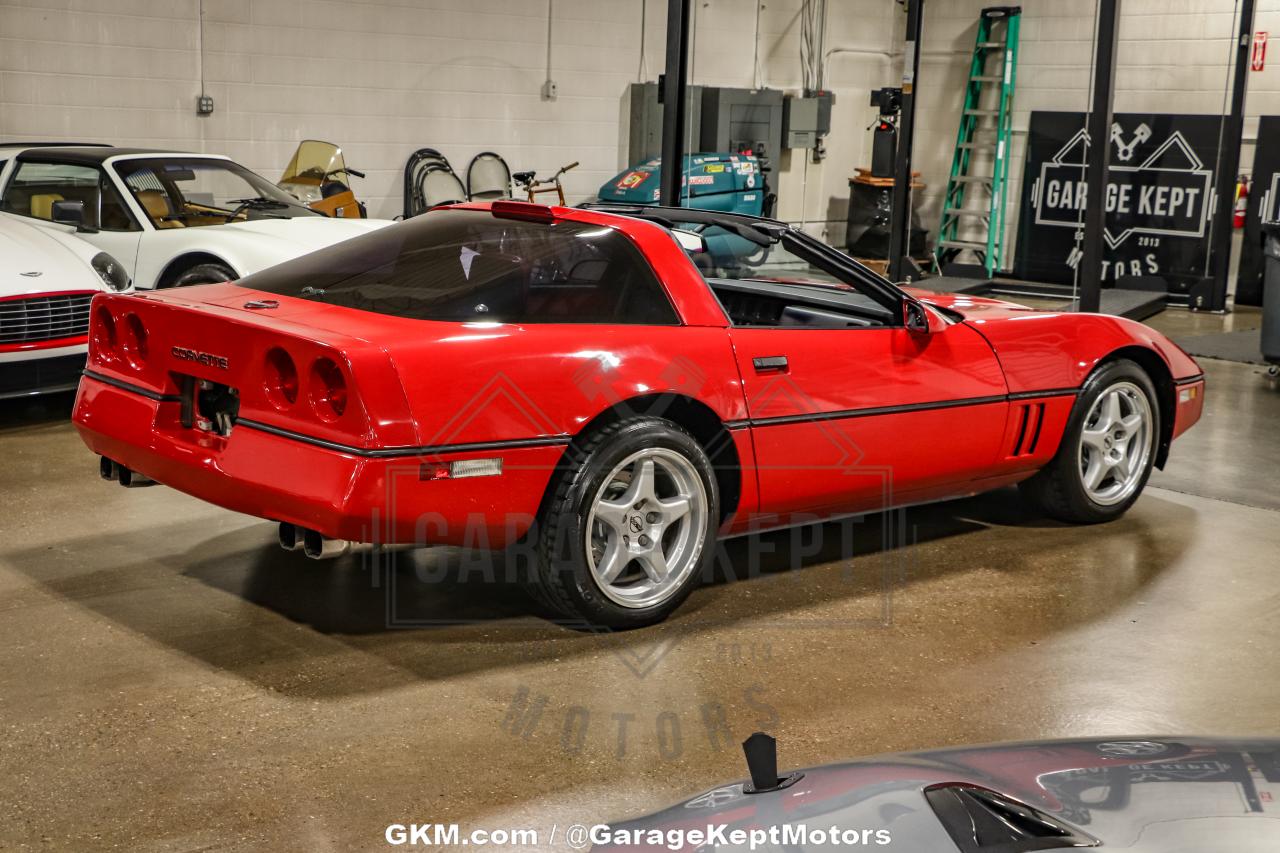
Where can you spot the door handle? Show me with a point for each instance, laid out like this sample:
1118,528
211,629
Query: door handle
770,364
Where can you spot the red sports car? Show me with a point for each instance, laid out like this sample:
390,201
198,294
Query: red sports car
615,387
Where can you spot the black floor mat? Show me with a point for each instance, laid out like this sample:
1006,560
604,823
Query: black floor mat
1243,346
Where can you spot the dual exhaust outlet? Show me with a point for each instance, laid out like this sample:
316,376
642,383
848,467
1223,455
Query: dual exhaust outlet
316,545
111,470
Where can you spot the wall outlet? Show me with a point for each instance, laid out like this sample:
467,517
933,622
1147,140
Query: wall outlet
204,105
550,90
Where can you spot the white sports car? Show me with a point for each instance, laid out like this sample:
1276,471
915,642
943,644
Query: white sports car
170,218
46,282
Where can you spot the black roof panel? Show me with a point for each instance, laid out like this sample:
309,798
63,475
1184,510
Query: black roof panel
90,155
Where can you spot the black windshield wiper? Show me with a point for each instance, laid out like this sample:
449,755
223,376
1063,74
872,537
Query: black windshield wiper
261,203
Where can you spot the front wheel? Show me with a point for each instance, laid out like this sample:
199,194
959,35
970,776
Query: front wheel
630,525
205,274
1107,452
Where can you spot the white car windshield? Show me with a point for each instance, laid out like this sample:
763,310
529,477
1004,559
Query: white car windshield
179,192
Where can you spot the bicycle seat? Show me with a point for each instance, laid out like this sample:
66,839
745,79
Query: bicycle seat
522,177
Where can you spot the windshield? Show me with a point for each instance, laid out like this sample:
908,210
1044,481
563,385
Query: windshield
184,192
313,161
729,256
473,266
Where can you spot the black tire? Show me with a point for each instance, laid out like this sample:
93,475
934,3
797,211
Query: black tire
204,274
562,577
1058,489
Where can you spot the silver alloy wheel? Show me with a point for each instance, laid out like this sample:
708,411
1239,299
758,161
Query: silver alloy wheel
646,528
1116,443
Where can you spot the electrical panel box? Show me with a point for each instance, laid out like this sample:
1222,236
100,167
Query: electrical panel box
800,122
805,120
645,137
742,121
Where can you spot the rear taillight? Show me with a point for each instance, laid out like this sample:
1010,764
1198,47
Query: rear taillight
280,379
328,389
104,334
133,341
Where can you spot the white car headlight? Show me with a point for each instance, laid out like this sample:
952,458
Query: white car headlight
111,271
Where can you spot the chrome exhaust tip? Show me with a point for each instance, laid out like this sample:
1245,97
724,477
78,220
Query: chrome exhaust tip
107,469
290,536
319,547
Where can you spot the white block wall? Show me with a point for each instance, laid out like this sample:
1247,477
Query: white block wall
383,77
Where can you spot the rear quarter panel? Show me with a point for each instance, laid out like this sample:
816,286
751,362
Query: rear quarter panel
467,383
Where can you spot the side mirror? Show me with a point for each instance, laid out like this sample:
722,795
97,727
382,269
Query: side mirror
915,317
70,213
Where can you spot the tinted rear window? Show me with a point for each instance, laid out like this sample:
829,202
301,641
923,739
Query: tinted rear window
468,265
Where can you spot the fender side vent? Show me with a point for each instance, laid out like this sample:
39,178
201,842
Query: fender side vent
980,820
1030,417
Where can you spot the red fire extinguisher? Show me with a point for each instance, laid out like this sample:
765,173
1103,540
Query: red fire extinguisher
1242,201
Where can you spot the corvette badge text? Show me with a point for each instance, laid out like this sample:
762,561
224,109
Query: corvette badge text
580,837
205,358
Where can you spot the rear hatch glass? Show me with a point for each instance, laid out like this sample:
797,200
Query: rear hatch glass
471,266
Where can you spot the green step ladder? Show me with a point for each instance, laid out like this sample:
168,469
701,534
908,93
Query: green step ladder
974,221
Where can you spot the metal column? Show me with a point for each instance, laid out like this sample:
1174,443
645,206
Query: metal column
1099,129
675,91
900,216
1229,165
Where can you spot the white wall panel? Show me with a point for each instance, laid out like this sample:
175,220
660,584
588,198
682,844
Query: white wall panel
383,77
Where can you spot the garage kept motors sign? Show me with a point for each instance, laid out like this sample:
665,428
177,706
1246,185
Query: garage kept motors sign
1159,197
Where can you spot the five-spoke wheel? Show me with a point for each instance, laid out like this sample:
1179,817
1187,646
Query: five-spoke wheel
1107,450
1115,443
630,524
644,532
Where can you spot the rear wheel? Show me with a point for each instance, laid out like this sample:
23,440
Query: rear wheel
204,274
1107,451
630,525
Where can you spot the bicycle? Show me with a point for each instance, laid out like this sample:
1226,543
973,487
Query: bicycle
534,187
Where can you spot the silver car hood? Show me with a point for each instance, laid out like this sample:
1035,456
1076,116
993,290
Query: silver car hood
1155,795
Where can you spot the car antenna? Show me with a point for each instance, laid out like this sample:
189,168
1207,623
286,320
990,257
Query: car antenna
761,751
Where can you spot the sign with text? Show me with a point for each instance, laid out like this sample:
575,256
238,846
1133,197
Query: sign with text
1159,197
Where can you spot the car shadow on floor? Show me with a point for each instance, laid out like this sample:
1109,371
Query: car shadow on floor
238,603
23,413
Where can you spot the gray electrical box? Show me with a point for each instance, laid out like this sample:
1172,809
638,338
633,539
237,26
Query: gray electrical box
645,137
806,119
800,122
736,121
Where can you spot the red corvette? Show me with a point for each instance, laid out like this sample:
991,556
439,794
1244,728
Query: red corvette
616,386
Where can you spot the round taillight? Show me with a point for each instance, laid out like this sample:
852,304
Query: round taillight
280,378
328,389
104,334
133,340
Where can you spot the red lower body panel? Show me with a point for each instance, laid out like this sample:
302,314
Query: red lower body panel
1188,406
341,495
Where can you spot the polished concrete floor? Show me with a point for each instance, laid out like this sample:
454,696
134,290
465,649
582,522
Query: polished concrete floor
171,680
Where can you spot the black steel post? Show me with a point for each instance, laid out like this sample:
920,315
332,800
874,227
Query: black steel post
1099,129
900,214
675,91
1229,165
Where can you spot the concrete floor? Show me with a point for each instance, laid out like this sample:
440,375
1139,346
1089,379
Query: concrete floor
171,680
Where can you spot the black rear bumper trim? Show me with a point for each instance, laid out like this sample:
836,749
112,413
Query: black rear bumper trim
136,389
